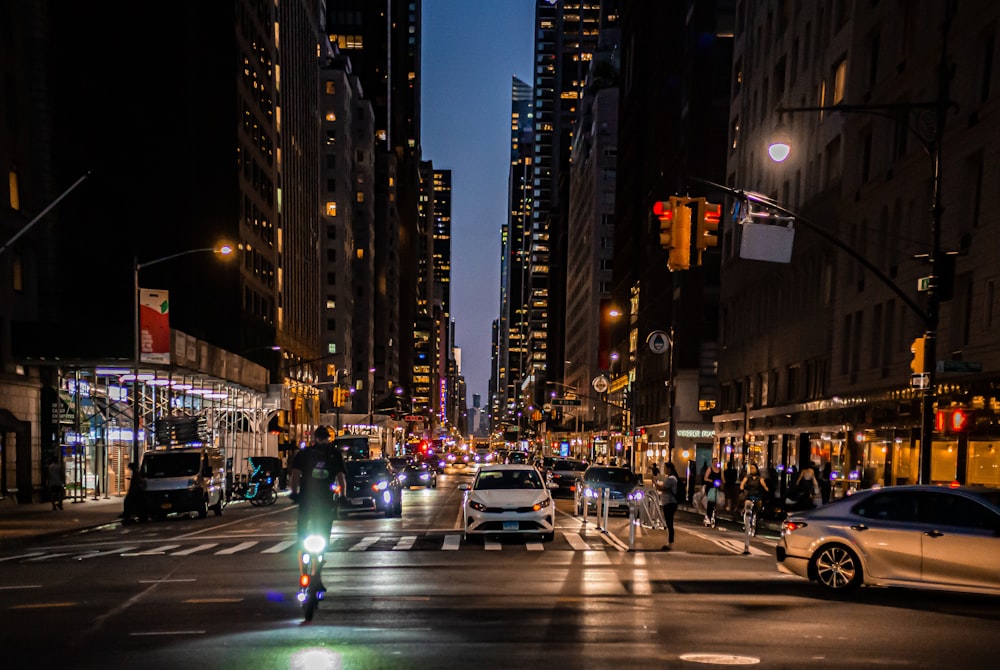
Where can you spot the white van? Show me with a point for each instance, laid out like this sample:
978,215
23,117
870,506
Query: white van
185,479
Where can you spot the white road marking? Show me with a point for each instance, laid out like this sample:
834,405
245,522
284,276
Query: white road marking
365,543
451,542
22,586
158,550
238,548
47,557
167,632
119,550
577,542
491,545
405,543
200,547
278,548
534,546
14,558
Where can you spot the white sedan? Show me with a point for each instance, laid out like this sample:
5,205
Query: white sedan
508,499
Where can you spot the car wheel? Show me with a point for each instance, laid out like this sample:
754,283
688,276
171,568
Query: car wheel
203,508
837,568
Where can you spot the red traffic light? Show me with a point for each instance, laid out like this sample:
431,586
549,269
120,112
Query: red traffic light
663,209
957,420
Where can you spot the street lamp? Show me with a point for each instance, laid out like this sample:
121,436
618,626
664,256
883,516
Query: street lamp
223,250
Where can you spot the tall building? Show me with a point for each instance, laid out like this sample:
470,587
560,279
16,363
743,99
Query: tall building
515,241
815,359
383,42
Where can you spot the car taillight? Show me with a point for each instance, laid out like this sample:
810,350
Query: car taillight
789,526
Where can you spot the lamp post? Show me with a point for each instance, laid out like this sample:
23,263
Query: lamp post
224,250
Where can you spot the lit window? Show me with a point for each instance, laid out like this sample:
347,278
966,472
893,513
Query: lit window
331,347
361,196
330,88
331,209
15,196
331,116
839,82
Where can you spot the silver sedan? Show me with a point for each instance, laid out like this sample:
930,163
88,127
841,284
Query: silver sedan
912,536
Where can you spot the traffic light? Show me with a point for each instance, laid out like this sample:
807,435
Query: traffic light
917,349
664,211
706,236
953,420
675,231
339,397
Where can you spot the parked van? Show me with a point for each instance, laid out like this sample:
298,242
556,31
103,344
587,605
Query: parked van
184,479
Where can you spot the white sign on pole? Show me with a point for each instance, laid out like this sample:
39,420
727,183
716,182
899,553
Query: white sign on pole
767,242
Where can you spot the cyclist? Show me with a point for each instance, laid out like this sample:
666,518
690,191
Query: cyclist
753,487
315,471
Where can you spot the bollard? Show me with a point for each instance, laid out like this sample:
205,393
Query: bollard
631,522
606,497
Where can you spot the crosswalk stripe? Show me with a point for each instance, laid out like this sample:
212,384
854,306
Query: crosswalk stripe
14,558
534,546
577,542
491,545
278,548
365,543
152,552
200,547
405,543
451,542
119,550
232,550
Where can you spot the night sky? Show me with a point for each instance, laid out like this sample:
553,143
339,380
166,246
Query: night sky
471,50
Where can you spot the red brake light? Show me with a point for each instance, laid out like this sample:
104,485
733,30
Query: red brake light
304,581
789,526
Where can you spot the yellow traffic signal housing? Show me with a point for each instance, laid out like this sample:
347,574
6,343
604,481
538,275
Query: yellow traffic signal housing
917,349
679,257
664,211
709,214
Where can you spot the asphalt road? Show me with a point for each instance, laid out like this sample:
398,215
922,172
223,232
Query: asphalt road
408,593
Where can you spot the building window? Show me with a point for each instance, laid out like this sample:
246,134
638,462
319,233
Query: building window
331,347
17,273
360,197
15,196
839,82
331,209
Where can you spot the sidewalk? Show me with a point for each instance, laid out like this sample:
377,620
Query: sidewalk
33,521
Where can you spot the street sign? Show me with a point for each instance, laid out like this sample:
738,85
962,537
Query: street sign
925,283
574,402
413,418
959,366
600,384
658,342
920,381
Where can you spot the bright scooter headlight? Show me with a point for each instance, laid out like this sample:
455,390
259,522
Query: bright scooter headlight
314,544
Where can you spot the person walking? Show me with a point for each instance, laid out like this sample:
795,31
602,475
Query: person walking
668,499
713,481
57,482
824,483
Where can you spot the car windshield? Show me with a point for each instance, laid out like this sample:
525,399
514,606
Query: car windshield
399,463
508,479
155,466
610,476
366,468
574,466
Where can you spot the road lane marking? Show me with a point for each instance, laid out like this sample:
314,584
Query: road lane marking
208,601
365,543
167,632
405,543
14,558
39,606
22,586
451,542
278,548
47,557
152,552
200,547
165,581
238,548
119,550
577,542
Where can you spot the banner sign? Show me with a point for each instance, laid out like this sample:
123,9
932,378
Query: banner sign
154,326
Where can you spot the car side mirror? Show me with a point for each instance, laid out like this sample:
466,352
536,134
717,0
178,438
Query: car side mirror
465,487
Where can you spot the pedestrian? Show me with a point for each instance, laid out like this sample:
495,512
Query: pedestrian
57,482
668,499
713,480
655,470
806,487
824,483
132,507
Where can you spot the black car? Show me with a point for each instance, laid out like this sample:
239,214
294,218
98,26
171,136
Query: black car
565,474
619,481
417,473
372,486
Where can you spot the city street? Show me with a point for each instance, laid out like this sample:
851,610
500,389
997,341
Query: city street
410,593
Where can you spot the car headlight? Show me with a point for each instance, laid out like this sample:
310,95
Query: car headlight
425,475
540,505
402,477
476,505
380,486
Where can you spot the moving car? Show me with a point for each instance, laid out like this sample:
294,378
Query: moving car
566,474
412,472
914,536
618,480
508,499
372,486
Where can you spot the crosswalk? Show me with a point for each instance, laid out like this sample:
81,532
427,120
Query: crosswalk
568,541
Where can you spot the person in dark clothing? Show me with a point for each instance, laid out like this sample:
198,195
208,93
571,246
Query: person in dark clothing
318,478
824,483
712,475
57,482
668,499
